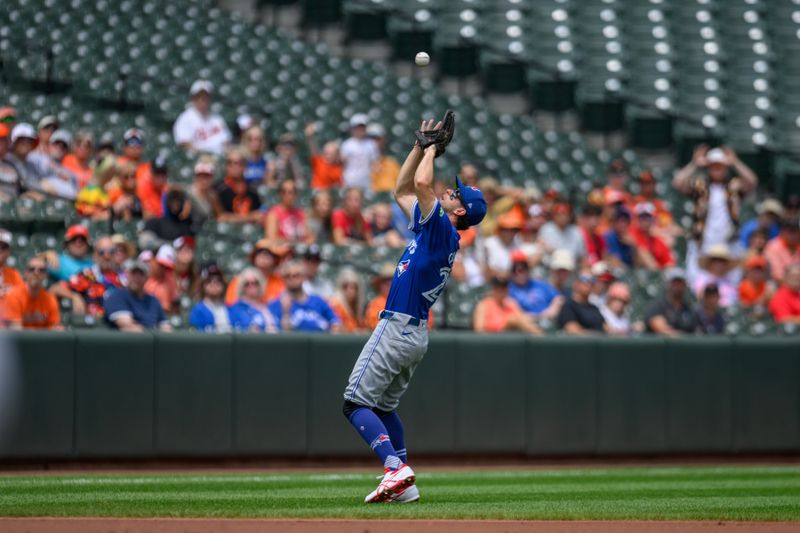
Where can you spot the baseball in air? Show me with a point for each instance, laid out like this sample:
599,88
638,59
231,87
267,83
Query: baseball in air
422,59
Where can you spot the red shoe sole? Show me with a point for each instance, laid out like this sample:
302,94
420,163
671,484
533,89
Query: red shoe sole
387,494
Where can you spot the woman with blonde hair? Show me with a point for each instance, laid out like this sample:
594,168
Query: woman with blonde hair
79,160
249,313
348,301
254,143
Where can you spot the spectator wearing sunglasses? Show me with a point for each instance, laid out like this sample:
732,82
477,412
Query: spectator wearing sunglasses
87,288
239,201
578,316
249,313
297,310
615,310
30,306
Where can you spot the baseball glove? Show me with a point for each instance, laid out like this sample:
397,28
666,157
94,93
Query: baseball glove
441,137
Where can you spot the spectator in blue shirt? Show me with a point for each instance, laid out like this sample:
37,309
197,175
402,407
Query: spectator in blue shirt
130,308
211,314
76,256
248,313
770,213
536,297
620,243
296,310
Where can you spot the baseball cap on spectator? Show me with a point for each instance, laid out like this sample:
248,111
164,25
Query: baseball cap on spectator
6,236
62,136
601,271
166,256
133,136
8,115
359,119
755,261
312,253
211,270
770,205
473,201
145,256
646,175
180,242
562,209
5,131
518,256
621,212
510,220
376,130
75,231
159,165
716,155
47,121
562,260
23,130
201,86
204,167
675,273
620,291
645,209
137,264
613,196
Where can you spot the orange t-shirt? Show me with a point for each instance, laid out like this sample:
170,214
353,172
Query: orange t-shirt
9,278
377,305
142,169
81,171
274,288
497,315
384,174
164,290
35,312
150,198
350,324
749,292
324,175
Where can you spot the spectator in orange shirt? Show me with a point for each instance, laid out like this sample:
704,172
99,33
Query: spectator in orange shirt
386,168
79,160
125,203
755,289
266,257
617,178
161,284
30,306
785,305
9,276
499,312
326,167
132,150
349,224
783,249
150,188
348,301
383,282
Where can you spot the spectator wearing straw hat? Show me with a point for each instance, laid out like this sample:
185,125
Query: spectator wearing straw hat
718,267
266,257
199,129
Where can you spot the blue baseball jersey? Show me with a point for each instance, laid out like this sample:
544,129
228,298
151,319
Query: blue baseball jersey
314,314
424,268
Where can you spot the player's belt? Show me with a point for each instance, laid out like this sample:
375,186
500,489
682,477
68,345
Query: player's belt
389,314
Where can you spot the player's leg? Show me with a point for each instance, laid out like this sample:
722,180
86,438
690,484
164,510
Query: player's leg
394,426
370,428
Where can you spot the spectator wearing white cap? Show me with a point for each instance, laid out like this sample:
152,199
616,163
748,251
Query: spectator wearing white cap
56,179
716,180
359,153
197,128
23,141
162,284
386,168
201,193
47,125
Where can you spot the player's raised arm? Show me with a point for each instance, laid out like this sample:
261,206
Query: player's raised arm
404,192
423,182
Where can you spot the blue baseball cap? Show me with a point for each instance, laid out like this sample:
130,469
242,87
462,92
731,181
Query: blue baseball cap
473,201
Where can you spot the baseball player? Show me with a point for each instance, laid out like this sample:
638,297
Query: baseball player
383,370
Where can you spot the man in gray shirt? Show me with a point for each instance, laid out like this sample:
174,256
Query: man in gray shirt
561,234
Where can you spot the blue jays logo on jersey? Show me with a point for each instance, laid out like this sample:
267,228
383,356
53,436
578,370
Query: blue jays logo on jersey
402,266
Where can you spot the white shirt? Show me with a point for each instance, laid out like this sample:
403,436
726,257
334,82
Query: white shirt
220,312
569,238
358,156
204,133
497,255
616,322
718,225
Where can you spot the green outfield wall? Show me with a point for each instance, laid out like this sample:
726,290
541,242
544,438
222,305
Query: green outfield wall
107,394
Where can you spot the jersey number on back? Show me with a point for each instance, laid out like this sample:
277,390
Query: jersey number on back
434,293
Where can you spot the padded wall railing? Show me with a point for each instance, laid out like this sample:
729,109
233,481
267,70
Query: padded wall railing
105,394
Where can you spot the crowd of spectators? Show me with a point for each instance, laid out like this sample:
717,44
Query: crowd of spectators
548,261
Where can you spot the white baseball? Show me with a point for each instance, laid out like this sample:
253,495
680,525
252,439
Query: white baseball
422,59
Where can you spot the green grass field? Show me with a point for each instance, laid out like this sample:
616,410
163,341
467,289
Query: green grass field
725,493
